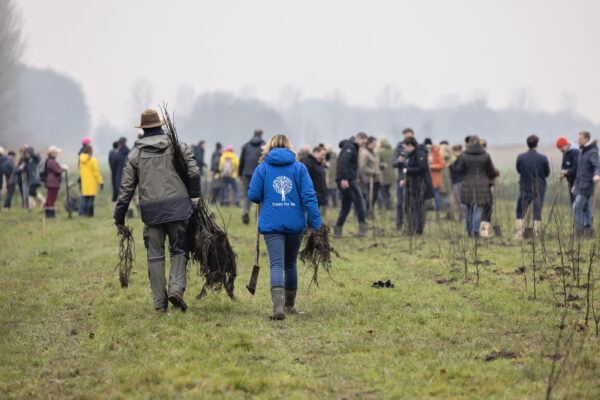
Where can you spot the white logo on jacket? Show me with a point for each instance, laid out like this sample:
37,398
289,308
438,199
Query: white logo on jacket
282,185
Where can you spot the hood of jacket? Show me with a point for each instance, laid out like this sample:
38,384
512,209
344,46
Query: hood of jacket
475,148
280,156
153,144
84,158
256,141
346,141
384,144
572,146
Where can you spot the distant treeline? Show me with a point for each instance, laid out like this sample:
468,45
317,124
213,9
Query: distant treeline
54,111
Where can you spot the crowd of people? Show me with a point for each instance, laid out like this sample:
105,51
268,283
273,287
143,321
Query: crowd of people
295,190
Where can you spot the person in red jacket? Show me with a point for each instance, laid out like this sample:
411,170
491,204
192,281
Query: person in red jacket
52,182
436,165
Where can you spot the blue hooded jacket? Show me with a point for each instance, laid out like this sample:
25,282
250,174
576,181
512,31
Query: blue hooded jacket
284,187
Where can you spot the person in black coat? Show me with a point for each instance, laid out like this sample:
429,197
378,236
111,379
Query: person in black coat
416,185
7,169
399,158
588,174
121,160
568,168
316,171
533,169
476,168
113,163
215,189
199,157
346,175
251,153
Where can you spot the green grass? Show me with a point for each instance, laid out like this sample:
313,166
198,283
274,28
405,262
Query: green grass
67,329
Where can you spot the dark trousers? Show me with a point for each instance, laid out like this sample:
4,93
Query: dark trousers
486,210
385,198
247,203
399,206
115,187
351,195
86,208
228,181
571,194
525,200
333,193
414,210
367,194
216,192
10,191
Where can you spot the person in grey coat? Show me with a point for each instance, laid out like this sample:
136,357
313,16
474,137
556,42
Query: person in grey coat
588,174
251,153
166,203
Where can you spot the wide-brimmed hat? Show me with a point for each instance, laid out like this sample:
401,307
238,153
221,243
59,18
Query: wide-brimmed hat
53,149
150,119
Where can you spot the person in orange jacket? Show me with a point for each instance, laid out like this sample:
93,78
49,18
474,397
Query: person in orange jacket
436,165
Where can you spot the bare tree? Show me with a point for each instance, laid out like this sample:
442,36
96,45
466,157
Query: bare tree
11,46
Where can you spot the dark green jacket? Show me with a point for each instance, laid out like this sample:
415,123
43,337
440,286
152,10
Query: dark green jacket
164,197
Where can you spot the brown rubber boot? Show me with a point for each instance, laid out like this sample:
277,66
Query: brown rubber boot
290,299
277,296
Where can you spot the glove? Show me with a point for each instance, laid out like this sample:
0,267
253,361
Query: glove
102,186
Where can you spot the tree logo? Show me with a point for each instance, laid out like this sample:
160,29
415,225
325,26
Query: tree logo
282,185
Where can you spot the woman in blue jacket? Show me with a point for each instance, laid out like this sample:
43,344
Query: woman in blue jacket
286,191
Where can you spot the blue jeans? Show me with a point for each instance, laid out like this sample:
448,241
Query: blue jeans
283,256
228,181
582,211
86,206
436,198
525,199
473,218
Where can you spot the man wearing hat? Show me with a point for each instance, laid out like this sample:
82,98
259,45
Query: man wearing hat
52,182
568,167
165,204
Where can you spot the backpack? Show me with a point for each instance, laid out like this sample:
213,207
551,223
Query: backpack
41,172
227,168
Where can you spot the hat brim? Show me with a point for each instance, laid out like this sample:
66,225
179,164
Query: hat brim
152,125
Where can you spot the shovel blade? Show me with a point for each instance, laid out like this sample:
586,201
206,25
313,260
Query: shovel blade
253,279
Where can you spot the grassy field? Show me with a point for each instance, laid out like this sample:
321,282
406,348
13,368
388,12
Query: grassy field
68,330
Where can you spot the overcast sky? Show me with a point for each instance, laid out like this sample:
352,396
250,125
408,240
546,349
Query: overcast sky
433,51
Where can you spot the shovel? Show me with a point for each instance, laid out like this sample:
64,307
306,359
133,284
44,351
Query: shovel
256,269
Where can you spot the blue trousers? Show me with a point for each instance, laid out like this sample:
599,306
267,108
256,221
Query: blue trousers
283,258
473,218
86,206
582,212
437,199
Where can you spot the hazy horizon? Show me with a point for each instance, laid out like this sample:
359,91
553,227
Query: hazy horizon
535,55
